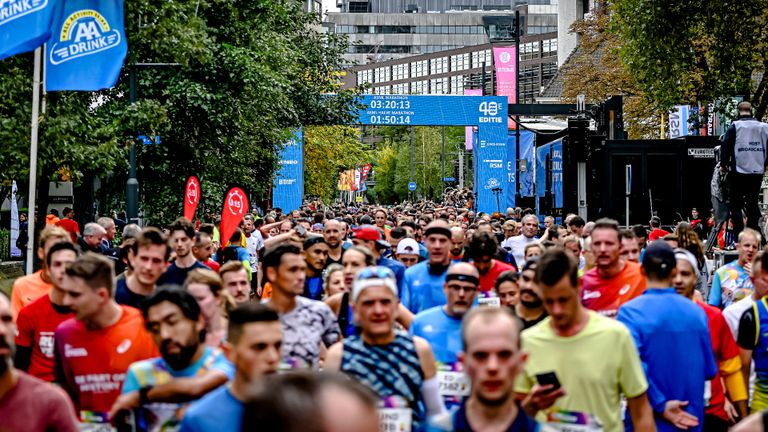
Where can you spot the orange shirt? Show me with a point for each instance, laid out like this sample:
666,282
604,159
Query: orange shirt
267,293
605,296
27,289
93,363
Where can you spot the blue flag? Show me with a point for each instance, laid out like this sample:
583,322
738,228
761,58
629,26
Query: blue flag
24,25
87,46
288,187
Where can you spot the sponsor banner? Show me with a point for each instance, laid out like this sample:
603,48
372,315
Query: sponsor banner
25,24
678,121
505,61
87,46
288,187
469,131
192,194
557,172
232,213
526,170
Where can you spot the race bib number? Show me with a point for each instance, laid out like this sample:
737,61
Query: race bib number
395,415
453,383
488,299
573,421
95,422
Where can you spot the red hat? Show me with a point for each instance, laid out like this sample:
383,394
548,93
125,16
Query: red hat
370,233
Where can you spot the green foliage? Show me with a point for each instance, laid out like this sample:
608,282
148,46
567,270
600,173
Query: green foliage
691,51
247,74
393,161
327,150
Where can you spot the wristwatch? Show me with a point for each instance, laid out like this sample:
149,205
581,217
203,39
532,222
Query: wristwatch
144,394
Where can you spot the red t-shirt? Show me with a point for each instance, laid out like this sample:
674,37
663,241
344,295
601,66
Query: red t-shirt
93,363
605,296
35,405
488,280
69,226
213,265
725,348
656,234
36,326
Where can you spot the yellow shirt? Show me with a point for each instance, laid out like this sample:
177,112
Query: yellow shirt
594,367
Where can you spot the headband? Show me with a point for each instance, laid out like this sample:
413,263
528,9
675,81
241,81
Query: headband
462,278
359,285
682,254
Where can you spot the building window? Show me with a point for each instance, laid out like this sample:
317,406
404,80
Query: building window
529,50
438,65
419,87
364,77
439,86
549,48
399,71
419,69
400,88
460,62
457,84
478,57
382,74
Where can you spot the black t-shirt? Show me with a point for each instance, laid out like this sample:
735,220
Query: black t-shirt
124,296
747,337
533,322
175,275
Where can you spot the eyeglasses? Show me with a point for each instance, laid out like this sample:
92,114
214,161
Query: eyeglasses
376,272
458,288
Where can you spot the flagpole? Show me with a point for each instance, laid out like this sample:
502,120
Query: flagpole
33,161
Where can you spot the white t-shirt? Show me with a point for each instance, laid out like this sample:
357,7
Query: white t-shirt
254,244
516,247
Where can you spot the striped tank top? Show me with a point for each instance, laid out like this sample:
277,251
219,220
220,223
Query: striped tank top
389,370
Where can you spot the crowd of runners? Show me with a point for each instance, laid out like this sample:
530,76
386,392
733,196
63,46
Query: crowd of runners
420,316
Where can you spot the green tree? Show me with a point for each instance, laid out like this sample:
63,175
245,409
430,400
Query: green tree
327,150
693,51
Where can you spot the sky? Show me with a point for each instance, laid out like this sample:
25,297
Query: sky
330,6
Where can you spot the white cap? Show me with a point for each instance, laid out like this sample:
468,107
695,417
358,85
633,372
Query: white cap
682,254
373,276
408,246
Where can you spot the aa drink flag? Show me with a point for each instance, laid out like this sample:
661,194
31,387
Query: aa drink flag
87,45
191,197
25,25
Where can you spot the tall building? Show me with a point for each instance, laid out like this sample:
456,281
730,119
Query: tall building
381,30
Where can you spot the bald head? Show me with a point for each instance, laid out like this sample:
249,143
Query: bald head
465,269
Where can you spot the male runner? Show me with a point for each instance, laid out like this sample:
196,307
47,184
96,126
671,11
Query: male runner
150,253
492,360
528,235
457,244
315,255
423,283
37,322
407,252
182,238
333,234
614,281
306,323
630,250
672,337
27,403
94,349
482,249
593,358
234,276
155,389
508,289
29,288
399,368
370,237
253,345
731,282
203,251
530,309
718,413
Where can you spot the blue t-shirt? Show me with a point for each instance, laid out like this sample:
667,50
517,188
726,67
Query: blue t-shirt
422,290
156,371
457,421
217,411
397,268
175,275
672,337
313,288
442,331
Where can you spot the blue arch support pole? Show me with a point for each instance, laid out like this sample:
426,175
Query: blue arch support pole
488,113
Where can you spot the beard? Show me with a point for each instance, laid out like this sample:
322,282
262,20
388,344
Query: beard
181,359
531,304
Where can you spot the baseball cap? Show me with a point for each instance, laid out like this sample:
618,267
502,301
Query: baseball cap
370,233
659,258
408,246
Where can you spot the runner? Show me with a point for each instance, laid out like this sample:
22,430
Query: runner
307,324
315,256
508,289
656,231
630,250
516,245
759,279
27,289
370,237
234,276
482,249
672,337
27,403
719,412
593,358
731,282
215,304
254,341
332,232
457,244
69,224
203,251
492,360
613,281
423,283
530,309
333,280
150,253
399,368
155,389
94,349
181,237
533,249
37,322
407,252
